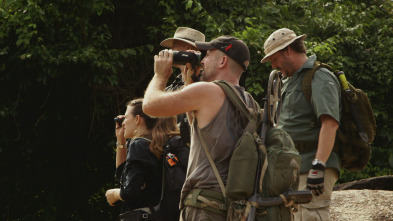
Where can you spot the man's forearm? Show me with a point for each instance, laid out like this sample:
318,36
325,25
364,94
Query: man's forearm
154,91
327,137
325,144
156,85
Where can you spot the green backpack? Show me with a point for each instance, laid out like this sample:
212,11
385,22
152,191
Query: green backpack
281,175
357,128
278,163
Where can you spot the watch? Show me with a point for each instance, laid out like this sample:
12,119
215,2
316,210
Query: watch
121,146
316,162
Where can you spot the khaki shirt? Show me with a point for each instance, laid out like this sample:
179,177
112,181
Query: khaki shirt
300,118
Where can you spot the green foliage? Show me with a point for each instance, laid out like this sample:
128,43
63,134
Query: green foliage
68,66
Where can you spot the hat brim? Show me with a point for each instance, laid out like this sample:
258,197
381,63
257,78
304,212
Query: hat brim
264,59
204,45
168,43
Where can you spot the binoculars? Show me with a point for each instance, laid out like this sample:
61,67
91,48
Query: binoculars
119,120
184,57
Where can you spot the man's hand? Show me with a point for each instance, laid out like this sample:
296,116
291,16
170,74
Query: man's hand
316,178
189,72
112,196
163,64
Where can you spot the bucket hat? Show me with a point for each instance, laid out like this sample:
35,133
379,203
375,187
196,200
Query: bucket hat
184,34
231,46
279,40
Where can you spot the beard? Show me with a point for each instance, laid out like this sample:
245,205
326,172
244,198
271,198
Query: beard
203,76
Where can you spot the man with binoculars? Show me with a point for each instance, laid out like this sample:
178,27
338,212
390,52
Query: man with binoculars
183,40
215,119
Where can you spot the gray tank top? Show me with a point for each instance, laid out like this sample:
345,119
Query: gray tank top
220,135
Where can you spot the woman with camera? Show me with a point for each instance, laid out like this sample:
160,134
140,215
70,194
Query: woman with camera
138,164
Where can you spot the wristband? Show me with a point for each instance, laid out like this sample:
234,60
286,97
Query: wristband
317,164
121,146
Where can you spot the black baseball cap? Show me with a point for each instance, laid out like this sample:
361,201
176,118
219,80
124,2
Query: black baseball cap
229,45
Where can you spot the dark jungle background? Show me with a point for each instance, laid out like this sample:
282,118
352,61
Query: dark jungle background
67,67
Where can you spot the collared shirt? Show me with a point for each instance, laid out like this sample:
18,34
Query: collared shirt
300,118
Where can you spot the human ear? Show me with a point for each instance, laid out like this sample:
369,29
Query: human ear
223,61
137,119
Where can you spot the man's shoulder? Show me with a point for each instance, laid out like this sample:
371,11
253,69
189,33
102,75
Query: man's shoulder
323,75
204,88
202,84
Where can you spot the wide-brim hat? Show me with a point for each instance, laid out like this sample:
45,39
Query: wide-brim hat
184,34
229,45
279,40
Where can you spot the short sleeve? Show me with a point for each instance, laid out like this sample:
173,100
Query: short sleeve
326,94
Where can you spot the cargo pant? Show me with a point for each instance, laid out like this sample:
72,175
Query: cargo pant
319,207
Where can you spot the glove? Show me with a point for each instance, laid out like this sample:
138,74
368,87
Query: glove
316,178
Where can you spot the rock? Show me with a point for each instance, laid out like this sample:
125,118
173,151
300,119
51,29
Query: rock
362,205
363,200
373,183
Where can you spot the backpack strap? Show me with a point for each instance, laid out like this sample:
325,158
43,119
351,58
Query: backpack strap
236,99
234,96
157,207
306,82
209,157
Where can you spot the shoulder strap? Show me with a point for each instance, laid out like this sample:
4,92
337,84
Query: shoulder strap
236,99
163,178
234,96
209,157
309,75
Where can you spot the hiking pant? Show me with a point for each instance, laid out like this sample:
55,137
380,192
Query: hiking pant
195,214
318,208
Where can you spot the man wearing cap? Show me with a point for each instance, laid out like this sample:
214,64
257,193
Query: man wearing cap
214,116
312,125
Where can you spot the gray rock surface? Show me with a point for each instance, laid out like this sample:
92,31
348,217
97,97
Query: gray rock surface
362,205
363,200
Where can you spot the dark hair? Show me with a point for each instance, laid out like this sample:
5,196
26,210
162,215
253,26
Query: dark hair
161,128
298,46
137,104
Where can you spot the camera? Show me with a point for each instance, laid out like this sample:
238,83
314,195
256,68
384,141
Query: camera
183,57
119,120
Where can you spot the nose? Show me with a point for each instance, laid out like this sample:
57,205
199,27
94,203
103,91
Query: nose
203,62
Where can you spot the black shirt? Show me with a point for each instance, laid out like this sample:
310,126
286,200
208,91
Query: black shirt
140,176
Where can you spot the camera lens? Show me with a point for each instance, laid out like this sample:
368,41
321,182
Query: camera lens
119,120
184,57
